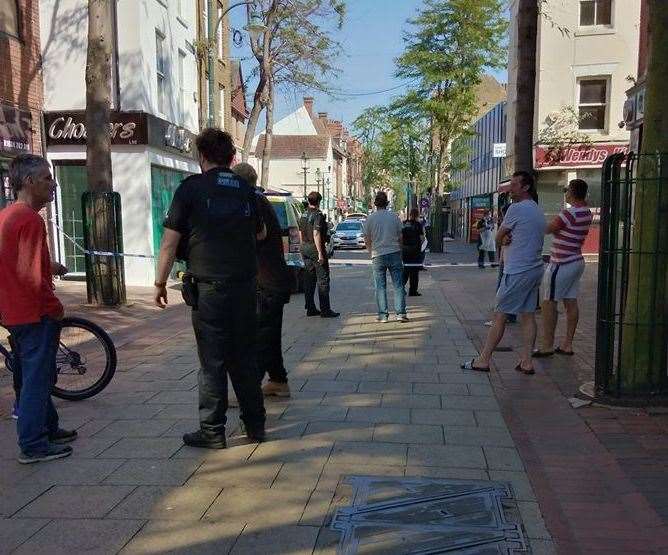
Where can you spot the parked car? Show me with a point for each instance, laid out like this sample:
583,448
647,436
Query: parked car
289,210
349,235
356,216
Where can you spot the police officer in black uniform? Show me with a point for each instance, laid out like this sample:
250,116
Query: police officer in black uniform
412,235
313,228
274,283
214,223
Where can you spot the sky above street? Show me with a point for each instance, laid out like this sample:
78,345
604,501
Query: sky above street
372,37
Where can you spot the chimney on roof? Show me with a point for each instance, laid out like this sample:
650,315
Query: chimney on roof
308,104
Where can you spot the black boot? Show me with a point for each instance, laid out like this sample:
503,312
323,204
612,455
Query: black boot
204,440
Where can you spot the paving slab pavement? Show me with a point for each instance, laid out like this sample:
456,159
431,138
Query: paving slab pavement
368,399
598,473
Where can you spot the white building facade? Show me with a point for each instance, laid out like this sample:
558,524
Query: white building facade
586,49
154,118
309,152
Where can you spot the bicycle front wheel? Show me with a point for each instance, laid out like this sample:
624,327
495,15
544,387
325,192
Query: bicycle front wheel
85,362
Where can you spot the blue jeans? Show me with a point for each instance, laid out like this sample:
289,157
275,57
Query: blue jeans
36,347
381,264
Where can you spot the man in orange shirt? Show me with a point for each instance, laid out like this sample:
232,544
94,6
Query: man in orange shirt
30,309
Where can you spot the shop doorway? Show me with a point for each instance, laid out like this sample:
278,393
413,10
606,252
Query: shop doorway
73,183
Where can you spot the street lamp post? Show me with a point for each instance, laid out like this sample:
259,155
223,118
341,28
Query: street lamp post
317,179
327,197
325,189
305,170
254,28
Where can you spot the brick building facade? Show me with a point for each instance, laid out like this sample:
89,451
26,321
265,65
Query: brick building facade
21,92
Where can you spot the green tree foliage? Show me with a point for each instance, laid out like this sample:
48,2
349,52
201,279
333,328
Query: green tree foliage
296,51
450,46
395,150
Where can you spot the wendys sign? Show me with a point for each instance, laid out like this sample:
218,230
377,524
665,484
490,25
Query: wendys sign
581,156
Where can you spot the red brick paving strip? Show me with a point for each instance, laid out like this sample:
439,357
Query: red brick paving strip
600,475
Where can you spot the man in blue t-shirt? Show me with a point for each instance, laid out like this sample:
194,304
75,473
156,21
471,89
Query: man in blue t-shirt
521,233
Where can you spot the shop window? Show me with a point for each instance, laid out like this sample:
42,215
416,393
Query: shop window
161,70
9,17
164,182
593,104
6,193
595,12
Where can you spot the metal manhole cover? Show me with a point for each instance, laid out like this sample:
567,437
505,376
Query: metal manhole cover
401,516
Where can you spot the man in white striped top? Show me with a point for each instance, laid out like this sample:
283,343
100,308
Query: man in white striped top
561,280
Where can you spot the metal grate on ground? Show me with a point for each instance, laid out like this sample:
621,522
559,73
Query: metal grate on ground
401,516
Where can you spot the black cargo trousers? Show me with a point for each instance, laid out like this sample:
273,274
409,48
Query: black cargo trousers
270,306
316,275
225,327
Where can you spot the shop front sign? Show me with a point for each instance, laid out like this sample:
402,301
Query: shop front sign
499,150
15,130
126,128
577,156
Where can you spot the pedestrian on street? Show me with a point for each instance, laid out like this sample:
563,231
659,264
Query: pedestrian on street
213,223
522,234
30,309
510,318
382,233
313,229
274,283
561,281
412,236
487,240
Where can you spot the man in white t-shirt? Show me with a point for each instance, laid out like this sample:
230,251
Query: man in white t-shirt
382,234
522,231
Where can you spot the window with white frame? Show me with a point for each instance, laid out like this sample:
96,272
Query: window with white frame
9,17
595,12
161,70
182,85
593,103
221,109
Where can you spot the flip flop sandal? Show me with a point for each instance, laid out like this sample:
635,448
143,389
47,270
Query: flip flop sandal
527,372
560,351
542,354
470,366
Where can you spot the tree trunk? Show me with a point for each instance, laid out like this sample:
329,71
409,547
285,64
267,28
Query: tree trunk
643,360
98,96
527,32
254,117
104,274
269,134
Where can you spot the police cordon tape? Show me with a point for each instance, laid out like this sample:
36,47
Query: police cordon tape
97,253
367,262
332,261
